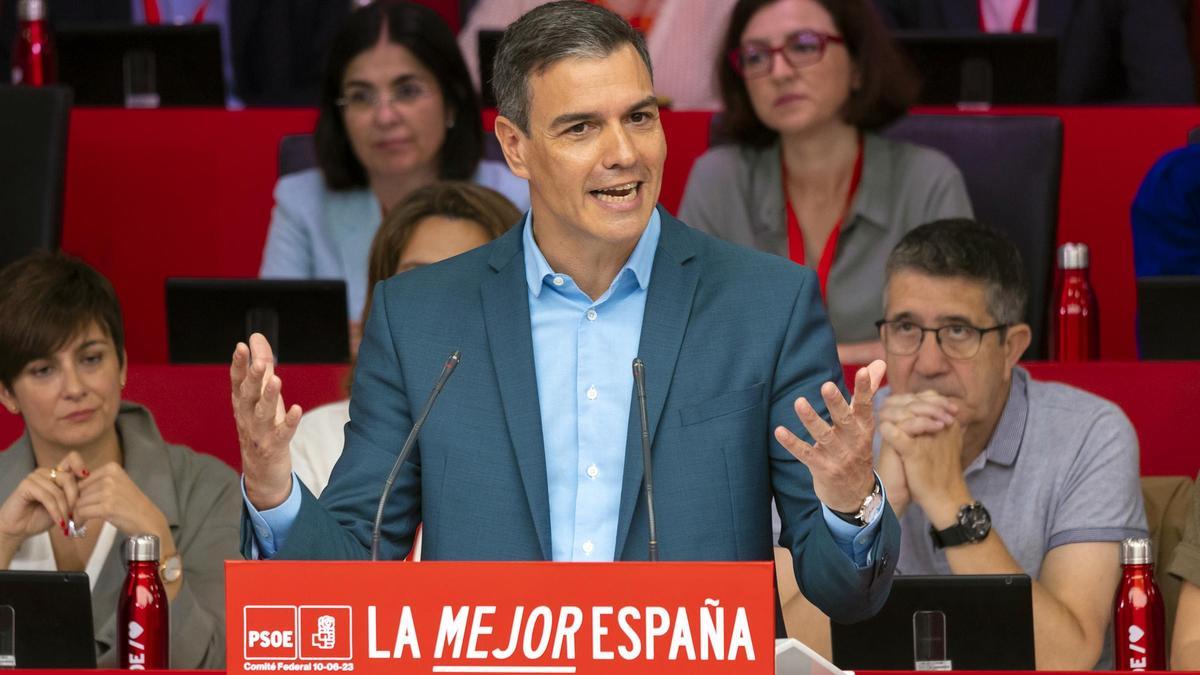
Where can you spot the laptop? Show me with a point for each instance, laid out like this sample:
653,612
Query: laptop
46,620
973,622
982,69
489,44
304,319
1168,317
186,63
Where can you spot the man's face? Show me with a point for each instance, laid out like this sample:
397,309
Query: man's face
979,385
595,150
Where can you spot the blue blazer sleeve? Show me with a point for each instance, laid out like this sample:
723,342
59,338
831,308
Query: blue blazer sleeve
825,574
338,526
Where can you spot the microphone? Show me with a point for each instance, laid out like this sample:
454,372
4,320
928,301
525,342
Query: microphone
406,450
639,384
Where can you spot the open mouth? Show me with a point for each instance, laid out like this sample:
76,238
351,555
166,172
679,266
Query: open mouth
618,194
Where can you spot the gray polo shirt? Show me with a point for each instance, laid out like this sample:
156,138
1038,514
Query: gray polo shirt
1061,468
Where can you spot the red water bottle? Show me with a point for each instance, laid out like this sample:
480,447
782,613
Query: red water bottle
1074,314
33,59
1139,640
143,619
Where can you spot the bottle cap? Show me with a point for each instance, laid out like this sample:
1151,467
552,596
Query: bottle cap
141,548
1073,256
1136,552
31,10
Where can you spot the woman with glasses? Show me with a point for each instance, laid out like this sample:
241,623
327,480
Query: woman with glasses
397,113
806,84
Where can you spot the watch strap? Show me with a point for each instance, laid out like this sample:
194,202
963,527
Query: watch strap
958,533
951,536
868,507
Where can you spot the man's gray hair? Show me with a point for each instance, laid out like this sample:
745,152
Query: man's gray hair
960,247
548,34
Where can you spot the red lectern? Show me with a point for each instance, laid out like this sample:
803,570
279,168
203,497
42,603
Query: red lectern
511,617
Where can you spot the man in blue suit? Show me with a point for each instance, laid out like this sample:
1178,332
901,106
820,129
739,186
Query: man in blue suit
533,451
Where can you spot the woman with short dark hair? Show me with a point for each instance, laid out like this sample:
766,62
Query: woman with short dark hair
90,466
806,85
397,113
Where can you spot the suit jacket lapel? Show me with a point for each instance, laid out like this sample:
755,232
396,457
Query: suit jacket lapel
506,315
668,309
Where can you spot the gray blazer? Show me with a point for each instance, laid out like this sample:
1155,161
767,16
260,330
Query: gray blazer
202,501
736,193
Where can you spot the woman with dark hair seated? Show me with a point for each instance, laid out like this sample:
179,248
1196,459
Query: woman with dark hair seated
436,222
397,113
92,469
806,84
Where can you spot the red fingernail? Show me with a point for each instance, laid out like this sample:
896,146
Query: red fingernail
85,473
63,524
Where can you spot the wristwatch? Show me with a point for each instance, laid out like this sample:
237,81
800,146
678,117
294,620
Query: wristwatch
868,511
974,524
170,569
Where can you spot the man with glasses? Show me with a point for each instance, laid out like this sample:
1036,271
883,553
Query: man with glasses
990,471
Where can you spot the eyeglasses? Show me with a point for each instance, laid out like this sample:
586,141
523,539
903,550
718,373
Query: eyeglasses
800,49
958,341
364,100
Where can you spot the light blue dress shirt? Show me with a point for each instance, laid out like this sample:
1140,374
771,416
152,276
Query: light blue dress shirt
583,352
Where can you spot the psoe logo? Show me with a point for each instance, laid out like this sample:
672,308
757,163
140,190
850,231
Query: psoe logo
326,633
270,632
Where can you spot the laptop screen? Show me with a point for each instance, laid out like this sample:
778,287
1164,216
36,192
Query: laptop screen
46,619
963,622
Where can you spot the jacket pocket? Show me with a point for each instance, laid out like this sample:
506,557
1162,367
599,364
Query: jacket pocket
725,404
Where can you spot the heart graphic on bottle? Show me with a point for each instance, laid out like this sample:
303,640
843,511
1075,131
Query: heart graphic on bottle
135,630
1135,634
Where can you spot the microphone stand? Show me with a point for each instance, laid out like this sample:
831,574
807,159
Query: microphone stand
406,450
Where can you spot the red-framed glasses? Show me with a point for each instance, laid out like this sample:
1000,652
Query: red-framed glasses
800,49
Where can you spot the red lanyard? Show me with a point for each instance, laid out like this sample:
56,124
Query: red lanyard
796,234
153,18
1018,23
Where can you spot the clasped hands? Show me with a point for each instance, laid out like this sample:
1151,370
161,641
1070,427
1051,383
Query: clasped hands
50,497
920,458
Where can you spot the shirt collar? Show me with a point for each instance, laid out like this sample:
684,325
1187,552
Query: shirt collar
1005,443
640,262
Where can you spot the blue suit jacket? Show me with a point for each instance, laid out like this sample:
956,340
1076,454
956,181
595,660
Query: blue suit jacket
730,338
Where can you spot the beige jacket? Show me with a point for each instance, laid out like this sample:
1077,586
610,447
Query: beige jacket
201,499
